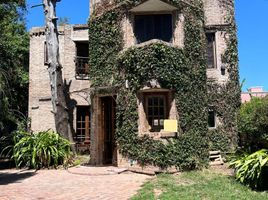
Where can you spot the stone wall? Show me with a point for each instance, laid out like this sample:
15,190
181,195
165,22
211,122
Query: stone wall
216,14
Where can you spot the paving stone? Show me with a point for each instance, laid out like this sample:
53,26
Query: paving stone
82,183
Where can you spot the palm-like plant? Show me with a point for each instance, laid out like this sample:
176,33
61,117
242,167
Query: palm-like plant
251,169
39,150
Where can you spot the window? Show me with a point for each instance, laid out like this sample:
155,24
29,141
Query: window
211,119
149,27
211,50
82,124
156,110
45,54
81,60
223,71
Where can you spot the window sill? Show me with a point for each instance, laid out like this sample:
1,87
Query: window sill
166,134
82,77
153,41
212,128
212,69
161,134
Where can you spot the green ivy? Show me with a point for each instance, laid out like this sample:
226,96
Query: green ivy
105,42
225,99
181,70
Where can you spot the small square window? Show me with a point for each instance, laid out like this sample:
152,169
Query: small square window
223,71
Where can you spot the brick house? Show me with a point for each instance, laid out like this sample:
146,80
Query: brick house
256,91
93,116
73,41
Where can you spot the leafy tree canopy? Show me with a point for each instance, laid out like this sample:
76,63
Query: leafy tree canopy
253,123
13,64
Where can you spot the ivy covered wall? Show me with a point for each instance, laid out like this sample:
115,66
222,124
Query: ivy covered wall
225,98
182,70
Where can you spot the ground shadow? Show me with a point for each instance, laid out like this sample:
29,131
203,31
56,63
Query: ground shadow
6,164
9,177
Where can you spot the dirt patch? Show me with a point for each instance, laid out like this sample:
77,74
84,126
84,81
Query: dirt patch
222,169
157,192
179,180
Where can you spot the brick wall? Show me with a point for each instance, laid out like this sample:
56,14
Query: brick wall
39,88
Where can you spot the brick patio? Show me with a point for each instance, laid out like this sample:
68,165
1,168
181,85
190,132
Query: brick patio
81,183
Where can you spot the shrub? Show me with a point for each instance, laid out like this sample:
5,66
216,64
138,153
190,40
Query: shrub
5,146
43,149
7,140
252,169
253,124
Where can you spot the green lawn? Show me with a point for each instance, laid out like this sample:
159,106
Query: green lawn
205,185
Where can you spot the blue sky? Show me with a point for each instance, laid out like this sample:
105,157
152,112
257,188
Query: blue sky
76,11
252,22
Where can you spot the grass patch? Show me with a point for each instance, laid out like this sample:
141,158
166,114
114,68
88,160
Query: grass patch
197,185
81,159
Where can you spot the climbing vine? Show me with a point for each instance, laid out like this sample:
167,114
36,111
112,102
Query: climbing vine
225,98
181,70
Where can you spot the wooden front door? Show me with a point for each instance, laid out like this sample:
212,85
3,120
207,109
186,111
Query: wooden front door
108,129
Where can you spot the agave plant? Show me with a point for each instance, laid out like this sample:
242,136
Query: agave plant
251,169
43,149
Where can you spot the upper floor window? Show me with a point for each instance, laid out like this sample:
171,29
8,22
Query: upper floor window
81,60
211,50
154,26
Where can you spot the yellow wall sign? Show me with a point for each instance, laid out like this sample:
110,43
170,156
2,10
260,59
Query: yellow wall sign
170,125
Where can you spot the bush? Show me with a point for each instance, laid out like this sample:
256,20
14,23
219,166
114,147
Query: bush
6,139
5,146
253,124
252,169
38,150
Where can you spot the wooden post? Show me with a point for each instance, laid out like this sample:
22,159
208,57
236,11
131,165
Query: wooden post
58,98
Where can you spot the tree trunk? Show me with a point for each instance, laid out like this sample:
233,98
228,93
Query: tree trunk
58,99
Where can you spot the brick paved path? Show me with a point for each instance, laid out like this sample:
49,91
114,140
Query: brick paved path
81,183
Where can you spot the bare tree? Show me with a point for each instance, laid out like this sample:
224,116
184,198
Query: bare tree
60,109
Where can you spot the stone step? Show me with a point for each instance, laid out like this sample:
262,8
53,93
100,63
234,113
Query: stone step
214,152
142,171
216,163
151,170
215,156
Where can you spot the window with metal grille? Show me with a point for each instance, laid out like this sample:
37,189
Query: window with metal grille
211,50
156,110
82,124
81,60
158,26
